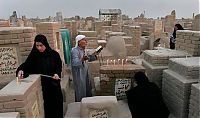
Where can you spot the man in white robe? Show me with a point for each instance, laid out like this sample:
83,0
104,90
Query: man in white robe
80,74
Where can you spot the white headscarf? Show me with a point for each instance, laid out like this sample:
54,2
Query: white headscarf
78,38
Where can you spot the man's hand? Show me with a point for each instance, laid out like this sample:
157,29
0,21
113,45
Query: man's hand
56,77
84,58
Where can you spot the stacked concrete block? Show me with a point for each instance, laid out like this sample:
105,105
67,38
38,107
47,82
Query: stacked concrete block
116,28
110,74
98,26
135,33
107,28
88,33
155,61
23,96
158,26
116,34
194,106
176,84
169,22
5,23
188,41
128,39
196,23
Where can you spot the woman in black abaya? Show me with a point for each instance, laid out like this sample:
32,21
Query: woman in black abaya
145,100
44,60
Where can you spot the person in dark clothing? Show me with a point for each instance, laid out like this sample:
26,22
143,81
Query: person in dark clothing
45,61
145,100
173,36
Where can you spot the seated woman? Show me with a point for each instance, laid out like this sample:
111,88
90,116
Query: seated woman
145,100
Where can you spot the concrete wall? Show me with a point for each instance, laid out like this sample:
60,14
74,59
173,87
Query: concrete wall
188,41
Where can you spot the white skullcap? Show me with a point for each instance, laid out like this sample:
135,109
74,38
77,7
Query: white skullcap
78,38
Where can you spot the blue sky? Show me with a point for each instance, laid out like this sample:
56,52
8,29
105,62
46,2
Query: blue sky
69,8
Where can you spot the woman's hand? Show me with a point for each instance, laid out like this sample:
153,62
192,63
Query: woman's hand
20,74
56,77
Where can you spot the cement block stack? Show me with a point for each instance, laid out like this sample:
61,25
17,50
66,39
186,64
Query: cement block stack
155,61
196,23
134,32
116,28
176,84
24,97
188,41
194,106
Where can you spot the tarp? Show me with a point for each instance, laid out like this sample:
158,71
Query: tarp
66,45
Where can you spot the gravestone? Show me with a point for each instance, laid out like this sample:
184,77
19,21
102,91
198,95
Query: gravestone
8,61
8,64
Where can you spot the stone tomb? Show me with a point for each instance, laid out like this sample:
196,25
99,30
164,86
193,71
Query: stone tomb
176,84
24,97
98,107
116,79
155,61
194,108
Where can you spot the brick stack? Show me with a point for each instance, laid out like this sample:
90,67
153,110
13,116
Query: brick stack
109,75
155,61
169,22
196,23
23,37
5,23
24,97
135,32
116,34
194,108
116,28
176,84
188,41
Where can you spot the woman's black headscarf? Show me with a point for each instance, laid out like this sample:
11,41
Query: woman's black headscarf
35,52
141,78
179,27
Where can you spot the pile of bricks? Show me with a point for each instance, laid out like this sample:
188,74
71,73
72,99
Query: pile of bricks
176,84
194,108
196,23
155,61
188,41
